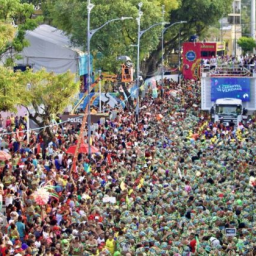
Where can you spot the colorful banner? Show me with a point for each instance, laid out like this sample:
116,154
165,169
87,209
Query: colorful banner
194,52
83,64
236,88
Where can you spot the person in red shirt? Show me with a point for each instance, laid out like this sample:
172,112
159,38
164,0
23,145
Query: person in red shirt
192,243
95,216
2,248
5,247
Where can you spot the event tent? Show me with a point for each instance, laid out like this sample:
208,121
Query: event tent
51,49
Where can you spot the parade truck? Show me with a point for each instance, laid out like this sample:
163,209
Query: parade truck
228,94
198,54
227,110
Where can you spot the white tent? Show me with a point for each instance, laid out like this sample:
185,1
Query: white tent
51,49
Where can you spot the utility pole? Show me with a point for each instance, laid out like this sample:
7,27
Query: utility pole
140,13
179,51
89,8
162,62
253,19
235,35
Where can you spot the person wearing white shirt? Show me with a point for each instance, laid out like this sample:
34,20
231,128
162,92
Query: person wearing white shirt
69,162
13,188
8,199
215,243
60,156
101,239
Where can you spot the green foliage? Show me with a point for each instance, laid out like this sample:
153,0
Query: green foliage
246,43
114,39
44,94
9,90
201,13
12,38
47,92
246,20
7,34
212,34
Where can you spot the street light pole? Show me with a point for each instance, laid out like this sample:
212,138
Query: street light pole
28,128
235,39
100,90
90,33
138,64
162,64
253,19
179,52
163,31
140,33
89,8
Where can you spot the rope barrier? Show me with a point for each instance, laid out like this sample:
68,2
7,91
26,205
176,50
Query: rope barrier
52,125
34,129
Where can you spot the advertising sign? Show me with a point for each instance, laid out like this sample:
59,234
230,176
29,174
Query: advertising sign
230,232
190,55
77,119
237,88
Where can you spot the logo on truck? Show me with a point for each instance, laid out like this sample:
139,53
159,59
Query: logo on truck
190,55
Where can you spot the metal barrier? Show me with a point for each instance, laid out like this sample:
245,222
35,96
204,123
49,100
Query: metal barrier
226,71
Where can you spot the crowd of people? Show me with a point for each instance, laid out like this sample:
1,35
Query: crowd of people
174,183
243,61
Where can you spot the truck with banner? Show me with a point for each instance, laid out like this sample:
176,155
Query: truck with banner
228,96
195,54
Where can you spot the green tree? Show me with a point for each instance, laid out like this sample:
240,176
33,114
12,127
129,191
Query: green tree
199,14
10,90
246,43
7,34
116,38
212,34
246,19
46,95
15,19
43,94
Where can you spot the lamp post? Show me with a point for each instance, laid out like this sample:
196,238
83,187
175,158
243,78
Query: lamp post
162,53
27,127
140,33
140,13
100,90
253,19
90,33
163,31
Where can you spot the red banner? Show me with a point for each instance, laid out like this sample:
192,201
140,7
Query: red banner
192,55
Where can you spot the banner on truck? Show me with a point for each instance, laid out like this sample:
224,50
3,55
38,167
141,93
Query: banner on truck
236,88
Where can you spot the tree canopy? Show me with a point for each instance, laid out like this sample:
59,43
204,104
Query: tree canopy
15,19
47,93
116,38
10,90
246,43
44,94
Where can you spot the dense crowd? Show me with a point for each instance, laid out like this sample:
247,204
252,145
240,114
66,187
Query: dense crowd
169,185
243,61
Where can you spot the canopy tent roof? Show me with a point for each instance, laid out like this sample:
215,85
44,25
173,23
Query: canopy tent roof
51,49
